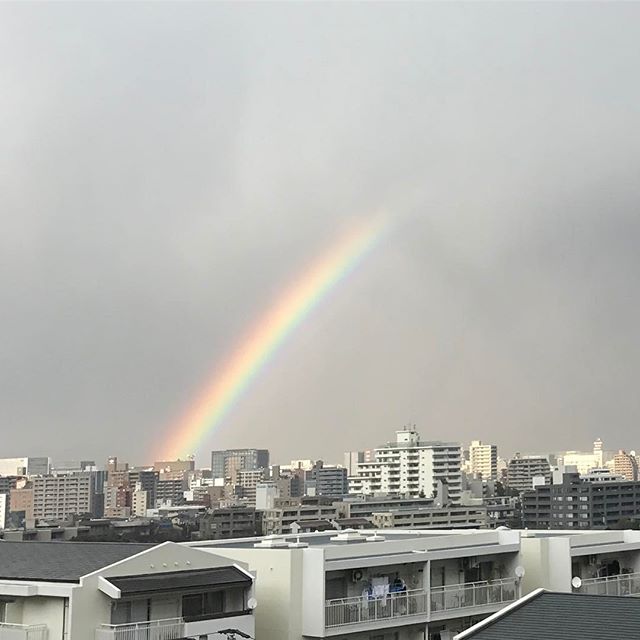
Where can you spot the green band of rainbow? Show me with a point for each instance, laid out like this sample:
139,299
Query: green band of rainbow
252,354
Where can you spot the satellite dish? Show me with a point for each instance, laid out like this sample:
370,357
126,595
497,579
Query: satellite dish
252,603
519,571
576,582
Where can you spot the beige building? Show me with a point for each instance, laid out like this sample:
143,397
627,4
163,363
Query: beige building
139,502
59,497
483,460
626,465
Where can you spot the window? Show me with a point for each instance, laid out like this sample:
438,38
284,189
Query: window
200,606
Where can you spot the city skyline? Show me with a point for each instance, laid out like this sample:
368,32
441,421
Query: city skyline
167,171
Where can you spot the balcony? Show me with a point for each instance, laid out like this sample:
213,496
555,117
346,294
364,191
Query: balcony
626,584
169,629
357,610
466,598
23,631
472,595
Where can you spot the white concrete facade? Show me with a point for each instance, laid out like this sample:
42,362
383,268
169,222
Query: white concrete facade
376,583
410,467
88,609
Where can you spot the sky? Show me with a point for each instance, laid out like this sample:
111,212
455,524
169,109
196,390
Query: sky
168,170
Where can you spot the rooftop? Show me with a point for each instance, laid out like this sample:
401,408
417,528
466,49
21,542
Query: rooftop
61,561
569,616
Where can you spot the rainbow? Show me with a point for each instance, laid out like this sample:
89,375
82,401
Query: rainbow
260,344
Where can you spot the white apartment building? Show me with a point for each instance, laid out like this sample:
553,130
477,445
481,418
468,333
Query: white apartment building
420,585
120,591
370,584
410,467
483,460
592,562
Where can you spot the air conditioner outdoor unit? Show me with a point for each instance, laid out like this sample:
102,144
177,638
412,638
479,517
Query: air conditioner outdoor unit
356,575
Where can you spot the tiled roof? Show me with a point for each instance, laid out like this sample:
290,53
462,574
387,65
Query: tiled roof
562,616
61,561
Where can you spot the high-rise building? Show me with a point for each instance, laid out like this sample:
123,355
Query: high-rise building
521,471
410,467
483,460
625,465
226,464
326,481
60,497
575,503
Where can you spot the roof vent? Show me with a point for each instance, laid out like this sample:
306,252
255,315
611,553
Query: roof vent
272,542
297,544
348,536
375,538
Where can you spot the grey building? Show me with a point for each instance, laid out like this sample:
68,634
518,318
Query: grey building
326,481
230,522
579,504
226,463
171,491
521,471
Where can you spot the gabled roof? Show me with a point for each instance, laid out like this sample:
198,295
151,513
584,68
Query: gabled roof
183,581
545,615
61,561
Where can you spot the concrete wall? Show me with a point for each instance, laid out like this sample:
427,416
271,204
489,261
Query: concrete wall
279,589
90,607
547,563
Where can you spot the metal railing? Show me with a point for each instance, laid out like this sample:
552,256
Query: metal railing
168,629
10,631
360,609
345,611
474,594
625,584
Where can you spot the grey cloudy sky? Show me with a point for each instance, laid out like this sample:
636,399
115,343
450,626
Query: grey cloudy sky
167,169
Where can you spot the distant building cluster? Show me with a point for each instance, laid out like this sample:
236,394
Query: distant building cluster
407,483
411,538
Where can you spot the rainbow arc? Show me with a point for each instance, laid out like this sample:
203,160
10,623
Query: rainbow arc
260,344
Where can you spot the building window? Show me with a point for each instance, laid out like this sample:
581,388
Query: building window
200,606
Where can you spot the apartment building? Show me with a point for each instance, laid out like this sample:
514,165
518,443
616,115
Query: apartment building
578,504
171,490
61,497
451,517
286,512
362,506
367,584
226,463
326,481
410,467
120,591
483,460
626,465
521,470
590,562
230,522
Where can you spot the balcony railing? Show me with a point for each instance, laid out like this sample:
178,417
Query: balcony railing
168,629
626,584
23,631
346,611
473,594
360,609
